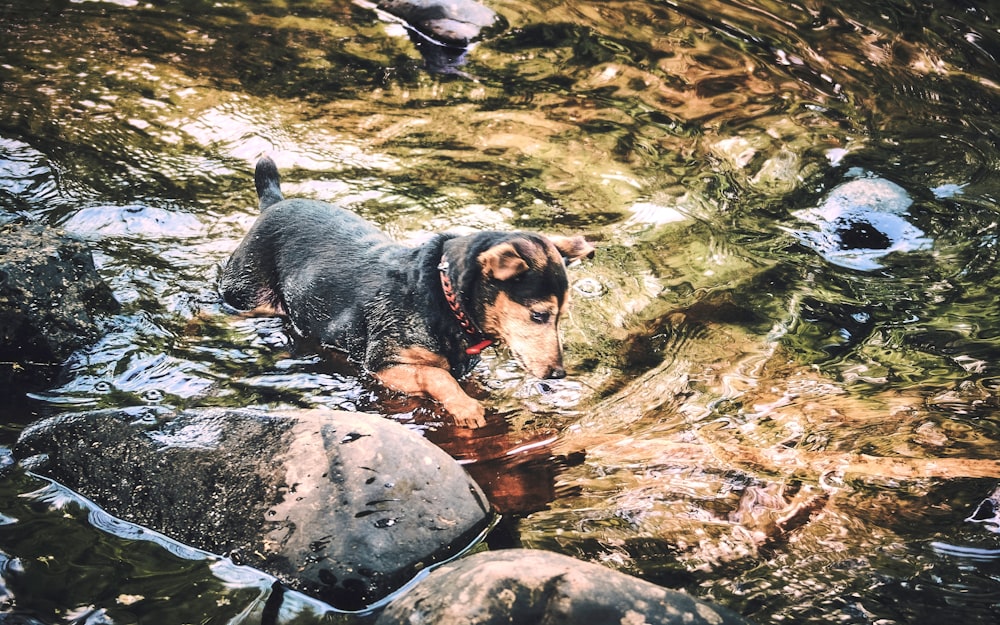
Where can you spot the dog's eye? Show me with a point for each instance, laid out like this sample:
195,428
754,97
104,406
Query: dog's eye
540,317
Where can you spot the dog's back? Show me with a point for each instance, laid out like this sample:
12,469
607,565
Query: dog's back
307,259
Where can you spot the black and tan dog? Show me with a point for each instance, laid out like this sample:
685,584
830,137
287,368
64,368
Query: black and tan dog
414,317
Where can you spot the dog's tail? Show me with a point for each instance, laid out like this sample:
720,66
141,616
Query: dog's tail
268,182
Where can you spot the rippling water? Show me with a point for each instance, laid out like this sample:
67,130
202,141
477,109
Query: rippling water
778,400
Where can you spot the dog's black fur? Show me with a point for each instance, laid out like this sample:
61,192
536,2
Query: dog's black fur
342,281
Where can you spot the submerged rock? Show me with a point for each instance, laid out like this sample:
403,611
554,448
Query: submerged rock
527,586
346,507
860,222
135,220
51,299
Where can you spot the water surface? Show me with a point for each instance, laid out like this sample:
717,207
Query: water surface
779,400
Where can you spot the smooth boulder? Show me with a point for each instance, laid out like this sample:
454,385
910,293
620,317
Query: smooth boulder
528,586
346,507
51,303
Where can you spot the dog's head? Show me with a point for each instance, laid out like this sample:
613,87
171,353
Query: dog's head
521,291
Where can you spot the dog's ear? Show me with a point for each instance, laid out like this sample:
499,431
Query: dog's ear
572,248
502,262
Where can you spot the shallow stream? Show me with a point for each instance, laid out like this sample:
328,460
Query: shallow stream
784,358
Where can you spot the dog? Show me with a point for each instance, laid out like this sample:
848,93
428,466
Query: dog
416,318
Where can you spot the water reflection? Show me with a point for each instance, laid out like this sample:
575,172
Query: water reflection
746,418
140,572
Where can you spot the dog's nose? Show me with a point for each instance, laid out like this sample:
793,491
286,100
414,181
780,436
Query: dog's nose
557,373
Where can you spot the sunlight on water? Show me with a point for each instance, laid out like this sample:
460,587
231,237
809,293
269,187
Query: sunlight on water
244,133
783,387
97,222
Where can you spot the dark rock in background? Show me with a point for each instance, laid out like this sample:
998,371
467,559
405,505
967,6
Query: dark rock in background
443,30
456,23
51,299
346,507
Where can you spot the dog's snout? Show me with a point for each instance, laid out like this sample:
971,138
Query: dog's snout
557,373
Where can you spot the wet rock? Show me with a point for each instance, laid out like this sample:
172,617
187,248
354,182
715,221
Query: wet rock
51,300
443,30
456,23
781,173
527,586
860,222
346,507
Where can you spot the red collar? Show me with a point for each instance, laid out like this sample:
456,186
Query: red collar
456,308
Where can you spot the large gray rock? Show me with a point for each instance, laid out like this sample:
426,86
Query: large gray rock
51,300
346,507
525,586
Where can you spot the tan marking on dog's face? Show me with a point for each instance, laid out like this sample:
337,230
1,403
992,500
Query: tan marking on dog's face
531,332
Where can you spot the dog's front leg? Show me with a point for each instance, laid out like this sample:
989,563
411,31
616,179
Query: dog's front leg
438,384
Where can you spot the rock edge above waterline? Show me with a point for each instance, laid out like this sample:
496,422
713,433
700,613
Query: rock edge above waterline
51,303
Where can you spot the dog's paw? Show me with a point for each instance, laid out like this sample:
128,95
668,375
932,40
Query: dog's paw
468,414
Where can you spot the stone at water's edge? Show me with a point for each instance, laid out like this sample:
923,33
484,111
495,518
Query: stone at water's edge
527,586
450,22
50,300
346,507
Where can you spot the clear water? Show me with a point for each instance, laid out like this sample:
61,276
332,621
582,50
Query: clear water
801,439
